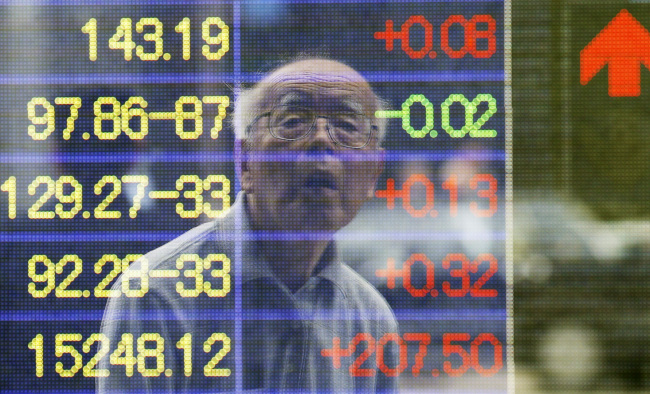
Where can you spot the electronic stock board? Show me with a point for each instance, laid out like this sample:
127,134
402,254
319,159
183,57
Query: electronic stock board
117,138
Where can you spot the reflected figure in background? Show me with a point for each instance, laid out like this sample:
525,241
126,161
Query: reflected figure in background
310,157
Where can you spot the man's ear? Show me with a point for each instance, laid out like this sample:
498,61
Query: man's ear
376,170
246,181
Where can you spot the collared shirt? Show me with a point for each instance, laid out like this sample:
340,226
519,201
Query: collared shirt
184,329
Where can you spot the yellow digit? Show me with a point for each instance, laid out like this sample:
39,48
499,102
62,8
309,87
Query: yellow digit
196,273
224,102
143,353
60,349
221,38
48,276
191,194
36,344
223,273
223,195
209,369
60,290
45,119
143,182
90,28
33,212
75,104
102,350
184,28
100,290
100,210
130,273
75,197
9,186
155,37
195,115
123,38
114,115
123,354
128,113
185,344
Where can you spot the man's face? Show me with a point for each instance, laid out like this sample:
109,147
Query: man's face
314,184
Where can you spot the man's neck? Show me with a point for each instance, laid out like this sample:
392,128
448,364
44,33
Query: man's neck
293,262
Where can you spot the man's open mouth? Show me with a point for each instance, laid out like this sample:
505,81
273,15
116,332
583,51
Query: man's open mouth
320,180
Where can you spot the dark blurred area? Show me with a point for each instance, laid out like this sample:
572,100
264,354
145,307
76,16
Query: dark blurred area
581,207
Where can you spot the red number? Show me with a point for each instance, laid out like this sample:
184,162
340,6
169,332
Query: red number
444,36
406,195
428,36
406,276
498,354
390,273
489,193
449,349
488,34
355,368
471,36
403,355
476,290
425,340
451,184
462,273
336,352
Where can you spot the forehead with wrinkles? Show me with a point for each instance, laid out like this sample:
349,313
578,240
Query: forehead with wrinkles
324,83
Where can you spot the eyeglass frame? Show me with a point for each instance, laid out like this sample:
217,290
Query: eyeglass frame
373,127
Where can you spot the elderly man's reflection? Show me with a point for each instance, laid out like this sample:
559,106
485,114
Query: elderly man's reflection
310,158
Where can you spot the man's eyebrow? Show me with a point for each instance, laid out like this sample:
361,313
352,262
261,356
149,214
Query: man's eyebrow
294,99
297,99
349,105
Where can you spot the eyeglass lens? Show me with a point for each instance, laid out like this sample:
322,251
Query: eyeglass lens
346,128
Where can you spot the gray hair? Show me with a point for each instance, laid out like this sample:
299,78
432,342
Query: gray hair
249,102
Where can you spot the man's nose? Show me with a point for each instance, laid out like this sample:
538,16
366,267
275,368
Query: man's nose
320,136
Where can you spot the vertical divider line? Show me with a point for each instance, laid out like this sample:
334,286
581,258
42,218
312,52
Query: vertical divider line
507,69
239,364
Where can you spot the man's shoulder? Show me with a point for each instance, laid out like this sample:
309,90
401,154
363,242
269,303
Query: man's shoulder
363,295
200,241
161,287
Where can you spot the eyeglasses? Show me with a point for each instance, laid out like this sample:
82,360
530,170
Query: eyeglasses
290,123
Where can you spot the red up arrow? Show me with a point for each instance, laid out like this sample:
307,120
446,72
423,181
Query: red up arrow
624,43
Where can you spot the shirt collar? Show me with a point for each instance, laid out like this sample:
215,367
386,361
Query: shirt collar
255,265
